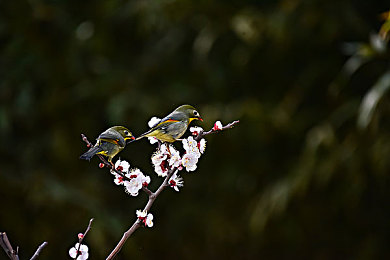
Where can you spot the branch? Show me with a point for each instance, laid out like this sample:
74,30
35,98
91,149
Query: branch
81,237
152,195
213,131
36,254
6,245
109,165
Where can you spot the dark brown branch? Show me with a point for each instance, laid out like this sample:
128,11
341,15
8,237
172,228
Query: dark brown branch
6,245
36,254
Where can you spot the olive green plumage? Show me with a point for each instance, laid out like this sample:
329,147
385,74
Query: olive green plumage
174,125
110,143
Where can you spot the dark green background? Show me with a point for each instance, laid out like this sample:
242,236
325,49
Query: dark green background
305,175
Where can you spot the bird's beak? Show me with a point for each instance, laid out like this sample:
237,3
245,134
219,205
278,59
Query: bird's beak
130,139
201,119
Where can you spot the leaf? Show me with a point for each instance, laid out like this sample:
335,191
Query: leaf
371,99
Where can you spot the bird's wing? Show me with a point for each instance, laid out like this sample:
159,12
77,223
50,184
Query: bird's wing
112,136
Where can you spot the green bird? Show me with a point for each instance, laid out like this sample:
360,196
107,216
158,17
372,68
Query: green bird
110,143
174,125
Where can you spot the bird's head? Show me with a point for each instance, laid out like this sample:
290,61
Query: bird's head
190,112
125,133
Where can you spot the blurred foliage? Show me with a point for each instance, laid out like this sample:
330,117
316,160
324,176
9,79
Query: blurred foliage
305,173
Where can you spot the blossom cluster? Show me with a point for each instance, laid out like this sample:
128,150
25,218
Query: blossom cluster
145,217
168,158
134,180
79,252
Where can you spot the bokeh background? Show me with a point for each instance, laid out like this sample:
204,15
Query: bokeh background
305,175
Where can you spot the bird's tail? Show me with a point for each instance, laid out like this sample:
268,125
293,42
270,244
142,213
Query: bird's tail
146,134
90,153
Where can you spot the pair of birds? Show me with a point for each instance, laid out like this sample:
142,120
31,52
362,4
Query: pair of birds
169,129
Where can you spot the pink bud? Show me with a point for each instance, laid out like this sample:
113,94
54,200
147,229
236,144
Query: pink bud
101,165
80,235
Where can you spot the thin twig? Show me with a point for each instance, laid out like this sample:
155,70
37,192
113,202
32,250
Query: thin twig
6,245
213,131
81,238
36,254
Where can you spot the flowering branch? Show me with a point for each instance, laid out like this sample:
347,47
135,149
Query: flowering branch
81,235
105,163
80,251
167,162
138,222
217,128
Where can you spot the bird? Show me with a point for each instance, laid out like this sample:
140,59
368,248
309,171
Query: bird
110,143
173,126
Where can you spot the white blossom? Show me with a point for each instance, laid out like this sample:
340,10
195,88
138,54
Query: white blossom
153,121
159,160
119,180
175,159
152,140
195,130
191,146
176,181
141,213
149,220
137,181
122,166
145,217
202,145
189,161
81,254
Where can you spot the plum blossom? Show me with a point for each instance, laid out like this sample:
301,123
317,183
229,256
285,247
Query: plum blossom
191,146
79,253
137,181
202,145
145,217
159,160
152,140
176,181
175,159
195,130
153,121
189,161
122,166
217,126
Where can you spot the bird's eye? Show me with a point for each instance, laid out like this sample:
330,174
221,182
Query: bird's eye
196,113
126,132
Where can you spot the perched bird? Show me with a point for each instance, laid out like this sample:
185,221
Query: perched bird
110,143
174,125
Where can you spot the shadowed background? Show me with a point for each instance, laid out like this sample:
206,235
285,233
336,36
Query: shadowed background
304,175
